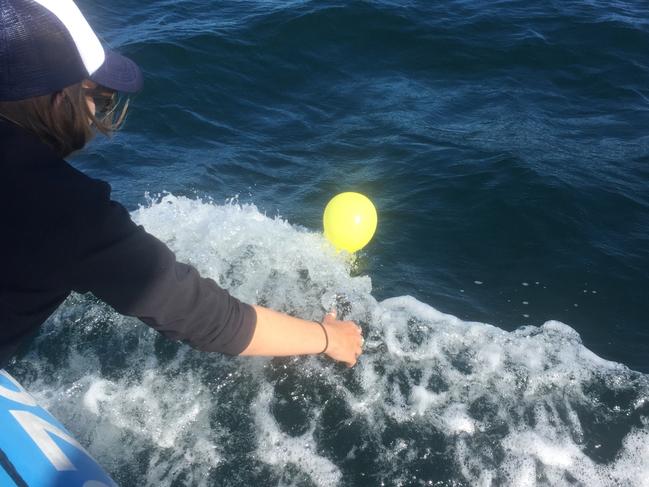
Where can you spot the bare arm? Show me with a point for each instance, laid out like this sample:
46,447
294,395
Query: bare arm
277,334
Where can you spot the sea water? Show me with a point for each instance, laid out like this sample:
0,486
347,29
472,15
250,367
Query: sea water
434,400
504,298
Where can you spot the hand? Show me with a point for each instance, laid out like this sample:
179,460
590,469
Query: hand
345,339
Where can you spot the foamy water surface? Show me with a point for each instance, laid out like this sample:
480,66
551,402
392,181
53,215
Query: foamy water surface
434,400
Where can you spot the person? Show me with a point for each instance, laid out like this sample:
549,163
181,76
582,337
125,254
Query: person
61,232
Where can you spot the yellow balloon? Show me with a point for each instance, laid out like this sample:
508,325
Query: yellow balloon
349,221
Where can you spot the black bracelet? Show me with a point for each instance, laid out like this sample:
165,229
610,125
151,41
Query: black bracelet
326,336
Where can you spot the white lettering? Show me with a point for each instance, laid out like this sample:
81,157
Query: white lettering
39,431
21,396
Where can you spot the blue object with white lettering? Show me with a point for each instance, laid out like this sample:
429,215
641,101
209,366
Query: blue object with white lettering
36,450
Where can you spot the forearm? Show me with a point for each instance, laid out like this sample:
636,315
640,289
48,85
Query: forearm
278,334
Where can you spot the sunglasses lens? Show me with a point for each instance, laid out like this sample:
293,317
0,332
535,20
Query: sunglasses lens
104,102
103,99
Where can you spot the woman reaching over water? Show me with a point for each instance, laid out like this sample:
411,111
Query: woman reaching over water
61,232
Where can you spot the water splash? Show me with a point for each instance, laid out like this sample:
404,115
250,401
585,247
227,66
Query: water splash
434,400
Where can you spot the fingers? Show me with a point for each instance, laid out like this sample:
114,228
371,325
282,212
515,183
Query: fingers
346,339
354,360
359,348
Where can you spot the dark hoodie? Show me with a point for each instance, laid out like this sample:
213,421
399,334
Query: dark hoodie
60,232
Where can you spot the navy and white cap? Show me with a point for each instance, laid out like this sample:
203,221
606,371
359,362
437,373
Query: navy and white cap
47,45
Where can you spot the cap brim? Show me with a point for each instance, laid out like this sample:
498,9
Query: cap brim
119,73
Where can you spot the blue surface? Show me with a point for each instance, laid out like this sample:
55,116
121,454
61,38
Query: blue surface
5,480
27,457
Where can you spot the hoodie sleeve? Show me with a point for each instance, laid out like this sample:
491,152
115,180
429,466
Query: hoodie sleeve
138,275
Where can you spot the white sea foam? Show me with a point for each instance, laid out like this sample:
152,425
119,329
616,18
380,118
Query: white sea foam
434,398
280,449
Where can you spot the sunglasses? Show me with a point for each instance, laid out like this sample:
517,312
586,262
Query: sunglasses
104,98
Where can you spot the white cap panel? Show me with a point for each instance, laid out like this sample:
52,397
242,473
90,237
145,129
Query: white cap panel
89,47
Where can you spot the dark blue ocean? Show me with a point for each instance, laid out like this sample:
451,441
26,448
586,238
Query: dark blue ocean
505,296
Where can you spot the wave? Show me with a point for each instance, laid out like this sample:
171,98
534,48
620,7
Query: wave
434,400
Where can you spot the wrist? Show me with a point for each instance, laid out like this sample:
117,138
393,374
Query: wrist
326,337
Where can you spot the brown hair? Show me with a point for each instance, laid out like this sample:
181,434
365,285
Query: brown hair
63,119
